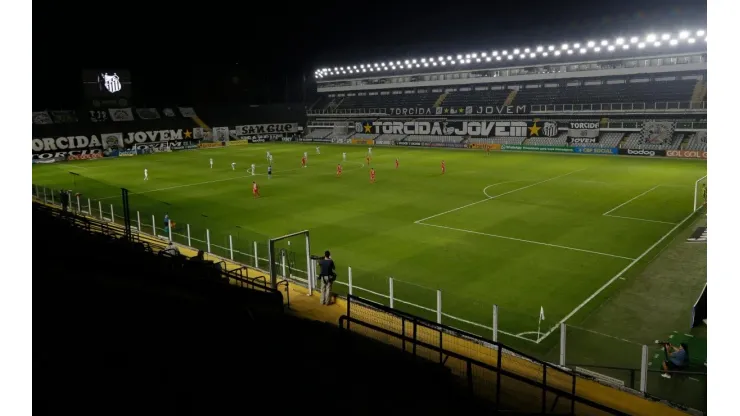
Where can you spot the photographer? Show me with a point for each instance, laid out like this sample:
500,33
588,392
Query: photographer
327,277
676,358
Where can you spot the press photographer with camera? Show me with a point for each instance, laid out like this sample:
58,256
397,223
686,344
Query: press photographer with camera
327,277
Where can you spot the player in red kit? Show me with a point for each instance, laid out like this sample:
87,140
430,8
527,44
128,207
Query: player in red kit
443,167
303,162
339,170
396,163
255,190
372,175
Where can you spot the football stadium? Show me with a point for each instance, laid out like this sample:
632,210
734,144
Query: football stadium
513,215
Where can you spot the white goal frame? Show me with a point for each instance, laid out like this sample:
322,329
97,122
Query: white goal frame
272,256
698,203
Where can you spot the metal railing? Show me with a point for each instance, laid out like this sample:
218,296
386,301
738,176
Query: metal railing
510,379
637,107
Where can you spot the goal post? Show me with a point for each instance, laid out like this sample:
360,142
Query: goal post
700,187
289,257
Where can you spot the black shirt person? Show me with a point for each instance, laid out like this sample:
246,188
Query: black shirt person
327,276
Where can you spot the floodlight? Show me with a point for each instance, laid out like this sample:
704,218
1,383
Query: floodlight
656,44
551,48
633,39
449,58
498,58
516,51
651,37
336,69
604,43
371,70
408,66
483,54
583,50
597,49
467,56
684,34
564,46
641,45
475,55
494,53
665,36
570,51
440,58
692,40
477,60
625,47
700,33
426,64
591,44
413,61
539,49
423,60
406,62
504,53
467,61
544,53
362,66
557,53
673,42
610,48
532,55
576,45
444,63
522,56
459,57
511,57
435,64
364,70
620,41
526,50
417,65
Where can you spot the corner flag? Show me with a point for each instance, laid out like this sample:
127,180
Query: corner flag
542,313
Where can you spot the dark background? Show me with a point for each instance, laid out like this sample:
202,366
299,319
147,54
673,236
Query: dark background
261,52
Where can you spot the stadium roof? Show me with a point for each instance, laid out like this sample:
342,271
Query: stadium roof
555,52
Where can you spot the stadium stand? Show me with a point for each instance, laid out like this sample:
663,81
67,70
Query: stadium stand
364,136
476,97
549,141
169,334
395,98
635,140
391,137
589,91
697,142
319,133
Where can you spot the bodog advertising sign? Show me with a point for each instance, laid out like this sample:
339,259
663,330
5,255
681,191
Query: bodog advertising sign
687,154
363,141
486,146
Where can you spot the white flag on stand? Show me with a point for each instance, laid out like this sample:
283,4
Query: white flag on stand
542,313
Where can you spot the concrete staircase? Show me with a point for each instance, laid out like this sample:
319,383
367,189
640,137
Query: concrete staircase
441,99
510,98
700,92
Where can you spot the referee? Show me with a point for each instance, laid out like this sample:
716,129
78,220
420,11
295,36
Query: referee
327,276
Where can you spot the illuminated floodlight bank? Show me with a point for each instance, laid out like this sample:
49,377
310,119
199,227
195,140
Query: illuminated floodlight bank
651,40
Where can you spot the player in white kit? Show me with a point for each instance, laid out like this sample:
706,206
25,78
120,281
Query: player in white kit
318,151
233,166
344,157
269,156
305,154
146,175
211,160
370,151
252,168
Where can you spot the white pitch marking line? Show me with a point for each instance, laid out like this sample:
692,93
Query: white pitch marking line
528,241
613,279
625,203
496,196
640,219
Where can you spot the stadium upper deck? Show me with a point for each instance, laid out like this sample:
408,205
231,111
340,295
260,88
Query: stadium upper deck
661,72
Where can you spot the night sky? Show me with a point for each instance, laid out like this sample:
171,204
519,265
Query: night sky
259,52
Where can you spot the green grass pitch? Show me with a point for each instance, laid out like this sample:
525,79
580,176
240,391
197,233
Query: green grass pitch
519,230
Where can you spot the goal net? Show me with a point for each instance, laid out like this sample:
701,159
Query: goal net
700,193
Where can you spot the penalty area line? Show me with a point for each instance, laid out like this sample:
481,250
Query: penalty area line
528,241
498,195
613,279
